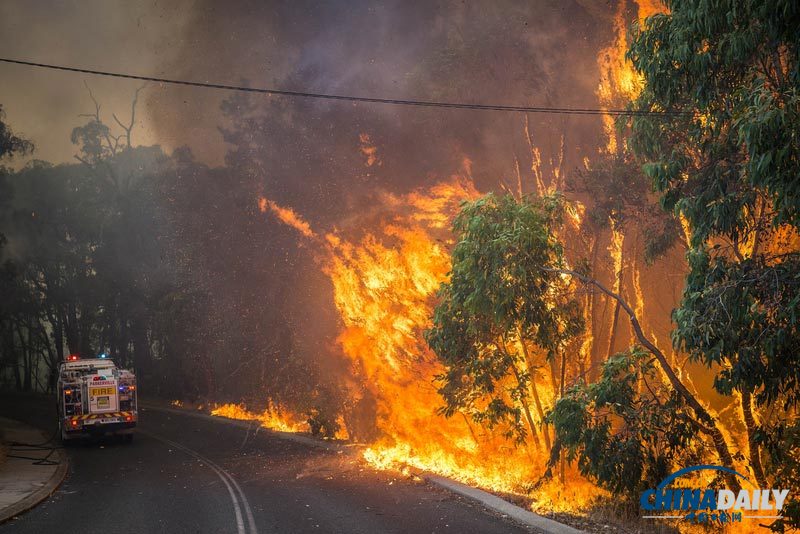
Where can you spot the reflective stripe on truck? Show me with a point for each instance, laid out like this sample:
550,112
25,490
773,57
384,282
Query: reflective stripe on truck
125,417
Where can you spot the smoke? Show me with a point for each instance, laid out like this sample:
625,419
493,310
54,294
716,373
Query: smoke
331,162
503,52
139,37
336,164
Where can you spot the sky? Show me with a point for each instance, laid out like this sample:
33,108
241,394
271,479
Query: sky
507,52
44,106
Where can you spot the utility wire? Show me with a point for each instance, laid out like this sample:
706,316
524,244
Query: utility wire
347,98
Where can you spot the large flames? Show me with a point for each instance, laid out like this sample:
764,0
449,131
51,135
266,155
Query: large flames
384,283
619,83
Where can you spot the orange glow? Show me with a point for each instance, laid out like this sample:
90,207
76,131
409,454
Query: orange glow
384,283
286,216
272,418
619,83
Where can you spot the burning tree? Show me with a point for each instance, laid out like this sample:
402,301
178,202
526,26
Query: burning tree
726,158
510,296
504,313
625,436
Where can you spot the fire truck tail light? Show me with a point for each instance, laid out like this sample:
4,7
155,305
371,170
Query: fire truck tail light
72,358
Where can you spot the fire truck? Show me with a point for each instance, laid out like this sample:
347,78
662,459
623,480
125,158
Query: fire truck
95,398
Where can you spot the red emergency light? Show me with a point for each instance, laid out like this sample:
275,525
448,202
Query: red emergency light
73,358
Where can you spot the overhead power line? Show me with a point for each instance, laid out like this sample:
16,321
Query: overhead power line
346,98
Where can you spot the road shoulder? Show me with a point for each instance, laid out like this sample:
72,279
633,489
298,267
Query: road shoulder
32,471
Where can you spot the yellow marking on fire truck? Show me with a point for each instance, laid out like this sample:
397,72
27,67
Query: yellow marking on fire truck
100,415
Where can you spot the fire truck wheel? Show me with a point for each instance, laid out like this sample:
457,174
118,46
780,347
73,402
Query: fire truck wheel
65,440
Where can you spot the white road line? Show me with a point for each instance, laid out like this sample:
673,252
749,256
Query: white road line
227,479
250,520
245,504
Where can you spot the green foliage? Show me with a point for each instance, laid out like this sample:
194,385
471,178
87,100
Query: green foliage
743,315
503,289
626,430
728,161
620,195
728,75
726,157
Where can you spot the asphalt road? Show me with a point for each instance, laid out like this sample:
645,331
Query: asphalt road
184,474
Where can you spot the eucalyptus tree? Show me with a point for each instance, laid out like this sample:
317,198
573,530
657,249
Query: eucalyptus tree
504,310
725,155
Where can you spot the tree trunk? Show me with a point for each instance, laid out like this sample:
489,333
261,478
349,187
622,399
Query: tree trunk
707,423
594,356
123,342
141,344
71,324
526,410
612,336
562,460
535,392
87,322
26,362
58,335
11,354
554,374
753,448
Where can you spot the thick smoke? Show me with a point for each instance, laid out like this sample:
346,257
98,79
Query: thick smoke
332,161
506,52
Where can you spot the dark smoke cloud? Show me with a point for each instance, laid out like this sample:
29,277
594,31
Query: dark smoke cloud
306,154
308,151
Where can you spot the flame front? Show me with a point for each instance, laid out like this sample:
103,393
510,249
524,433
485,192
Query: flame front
384,286
619,83
384,281
272,418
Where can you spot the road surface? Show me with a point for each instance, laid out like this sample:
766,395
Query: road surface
184,474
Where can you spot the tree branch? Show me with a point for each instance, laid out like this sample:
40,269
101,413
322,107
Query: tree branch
708,423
